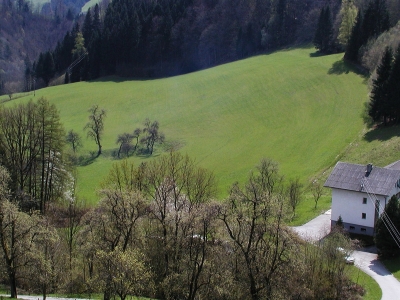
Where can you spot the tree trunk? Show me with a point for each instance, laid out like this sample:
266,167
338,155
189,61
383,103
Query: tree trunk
13,284
44,290
107,291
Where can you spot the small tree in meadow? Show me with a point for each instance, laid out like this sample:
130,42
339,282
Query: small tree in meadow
95,126
316,190
294,192
152,135
74,139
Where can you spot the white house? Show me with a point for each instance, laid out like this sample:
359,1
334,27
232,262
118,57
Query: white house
360,193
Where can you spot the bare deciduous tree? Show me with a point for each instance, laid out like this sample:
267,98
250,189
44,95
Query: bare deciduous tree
261,243
18,231
294,192
316,190
112,225
152,135
95,126
125,143
130,274
178,189
32,140
74,139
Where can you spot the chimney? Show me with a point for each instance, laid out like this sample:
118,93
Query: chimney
368,170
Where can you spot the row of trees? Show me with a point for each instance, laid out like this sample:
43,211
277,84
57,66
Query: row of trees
353,27
149,135
384,105
369,24
31,147
158,233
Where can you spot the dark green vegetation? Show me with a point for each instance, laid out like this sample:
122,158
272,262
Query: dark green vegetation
163,38
369,24
384,105
289,106
387,228
393,265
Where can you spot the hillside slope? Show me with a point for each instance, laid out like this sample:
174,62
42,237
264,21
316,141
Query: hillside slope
296,108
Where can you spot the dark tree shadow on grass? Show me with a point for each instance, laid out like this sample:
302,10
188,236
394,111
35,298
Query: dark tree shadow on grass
317,54
339,67
393,264
343,67
86,160
382,133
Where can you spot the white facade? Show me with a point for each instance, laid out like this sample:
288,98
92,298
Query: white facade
357,209
360,194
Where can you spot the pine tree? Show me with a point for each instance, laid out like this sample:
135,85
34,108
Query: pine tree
394,86
379,103
355,41
383,239
87,28
373,22
45,67
66,78
323,35
376,20
96,18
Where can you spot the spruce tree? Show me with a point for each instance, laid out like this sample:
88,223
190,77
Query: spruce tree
87,28
323,35
379,102
66,78
318,36
394,87
355,40
376,20
383,238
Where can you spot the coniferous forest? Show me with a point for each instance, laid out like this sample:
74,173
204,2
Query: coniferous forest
161,38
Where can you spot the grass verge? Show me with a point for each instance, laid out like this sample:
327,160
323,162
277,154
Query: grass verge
372,289
393,265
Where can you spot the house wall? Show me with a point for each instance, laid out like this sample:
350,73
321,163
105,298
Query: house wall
349,205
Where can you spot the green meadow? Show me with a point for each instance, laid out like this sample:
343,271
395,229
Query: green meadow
297,108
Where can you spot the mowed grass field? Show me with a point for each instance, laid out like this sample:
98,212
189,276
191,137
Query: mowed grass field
299,109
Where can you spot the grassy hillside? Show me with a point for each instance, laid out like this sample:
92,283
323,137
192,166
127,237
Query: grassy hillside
296,108
88,5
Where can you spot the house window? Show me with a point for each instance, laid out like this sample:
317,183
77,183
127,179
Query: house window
352,228
363,215
364,200
363,229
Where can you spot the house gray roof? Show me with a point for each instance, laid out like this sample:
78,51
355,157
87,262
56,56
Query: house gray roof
355,177
394,166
